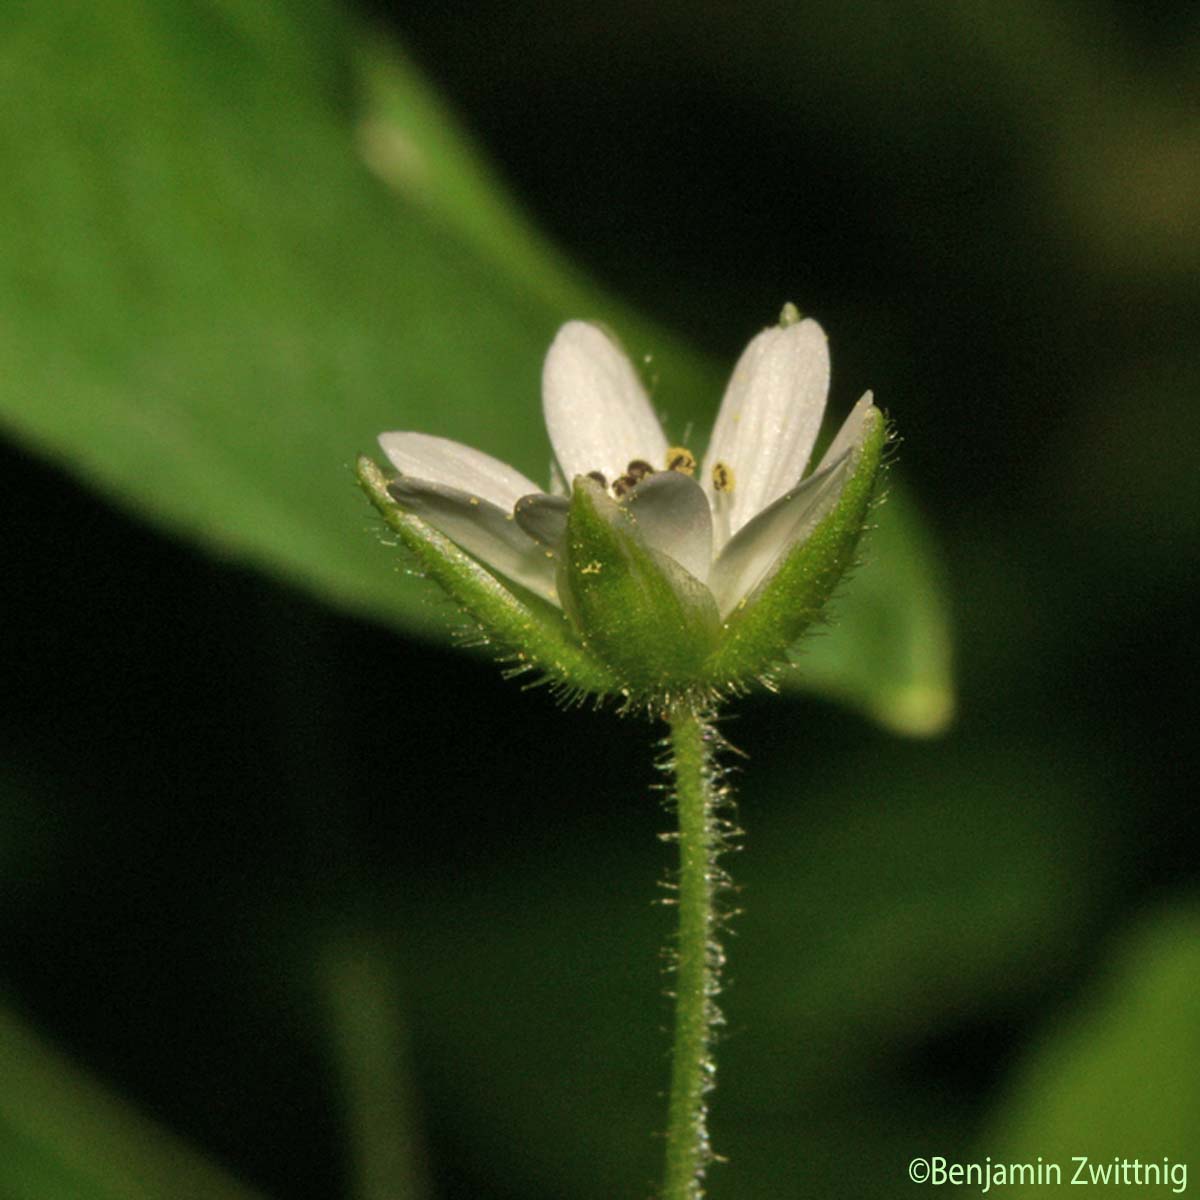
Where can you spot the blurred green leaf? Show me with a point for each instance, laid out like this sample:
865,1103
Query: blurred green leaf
221,285
1118,1080
369,1040
64,1137
892,659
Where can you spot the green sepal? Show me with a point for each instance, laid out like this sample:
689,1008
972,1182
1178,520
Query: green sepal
757,635
533,635
652,622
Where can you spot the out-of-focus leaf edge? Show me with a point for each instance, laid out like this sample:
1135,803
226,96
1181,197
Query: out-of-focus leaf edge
903,679
916,698
912,696
63,1125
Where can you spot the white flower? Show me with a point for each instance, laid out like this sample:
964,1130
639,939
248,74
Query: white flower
751,503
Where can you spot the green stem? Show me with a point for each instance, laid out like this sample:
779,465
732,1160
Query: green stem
698,956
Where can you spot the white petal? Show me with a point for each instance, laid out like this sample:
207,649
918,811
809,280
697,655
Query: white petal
752,553
754,549
481,528
439,460
543,518
768,421
671,512
597,412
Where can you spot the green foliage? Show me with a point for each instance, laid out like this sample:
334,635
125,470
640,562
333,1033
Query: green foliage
902,653
1117,1078
64,1137
226,286
364,1012
242,240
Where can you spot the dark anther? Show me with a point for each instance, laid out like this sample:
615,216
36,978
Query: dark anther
681,459
598,477
638,469
622,485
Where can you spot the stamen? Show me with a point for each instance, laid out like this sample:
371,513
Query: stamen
722,477
622,485
638,469
598,476
680,459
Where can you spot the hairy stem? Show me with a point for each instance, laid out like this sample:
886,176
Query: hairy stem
698,956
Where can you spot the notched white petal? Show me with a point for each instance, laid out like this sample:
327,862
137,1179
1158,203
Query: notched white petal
597,412
452,464
481,528
543,518
670,511
769,419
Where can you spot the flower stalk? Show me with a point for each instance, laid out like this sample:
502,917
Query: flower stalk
659,581
698,956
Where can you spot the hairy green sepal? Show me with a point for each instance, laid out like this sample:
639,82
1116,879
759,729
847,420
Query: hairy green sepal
757,635
533,635
637,610
636,623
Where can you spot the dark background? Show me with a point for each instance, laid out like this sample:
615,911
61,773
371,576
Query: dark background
993,212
